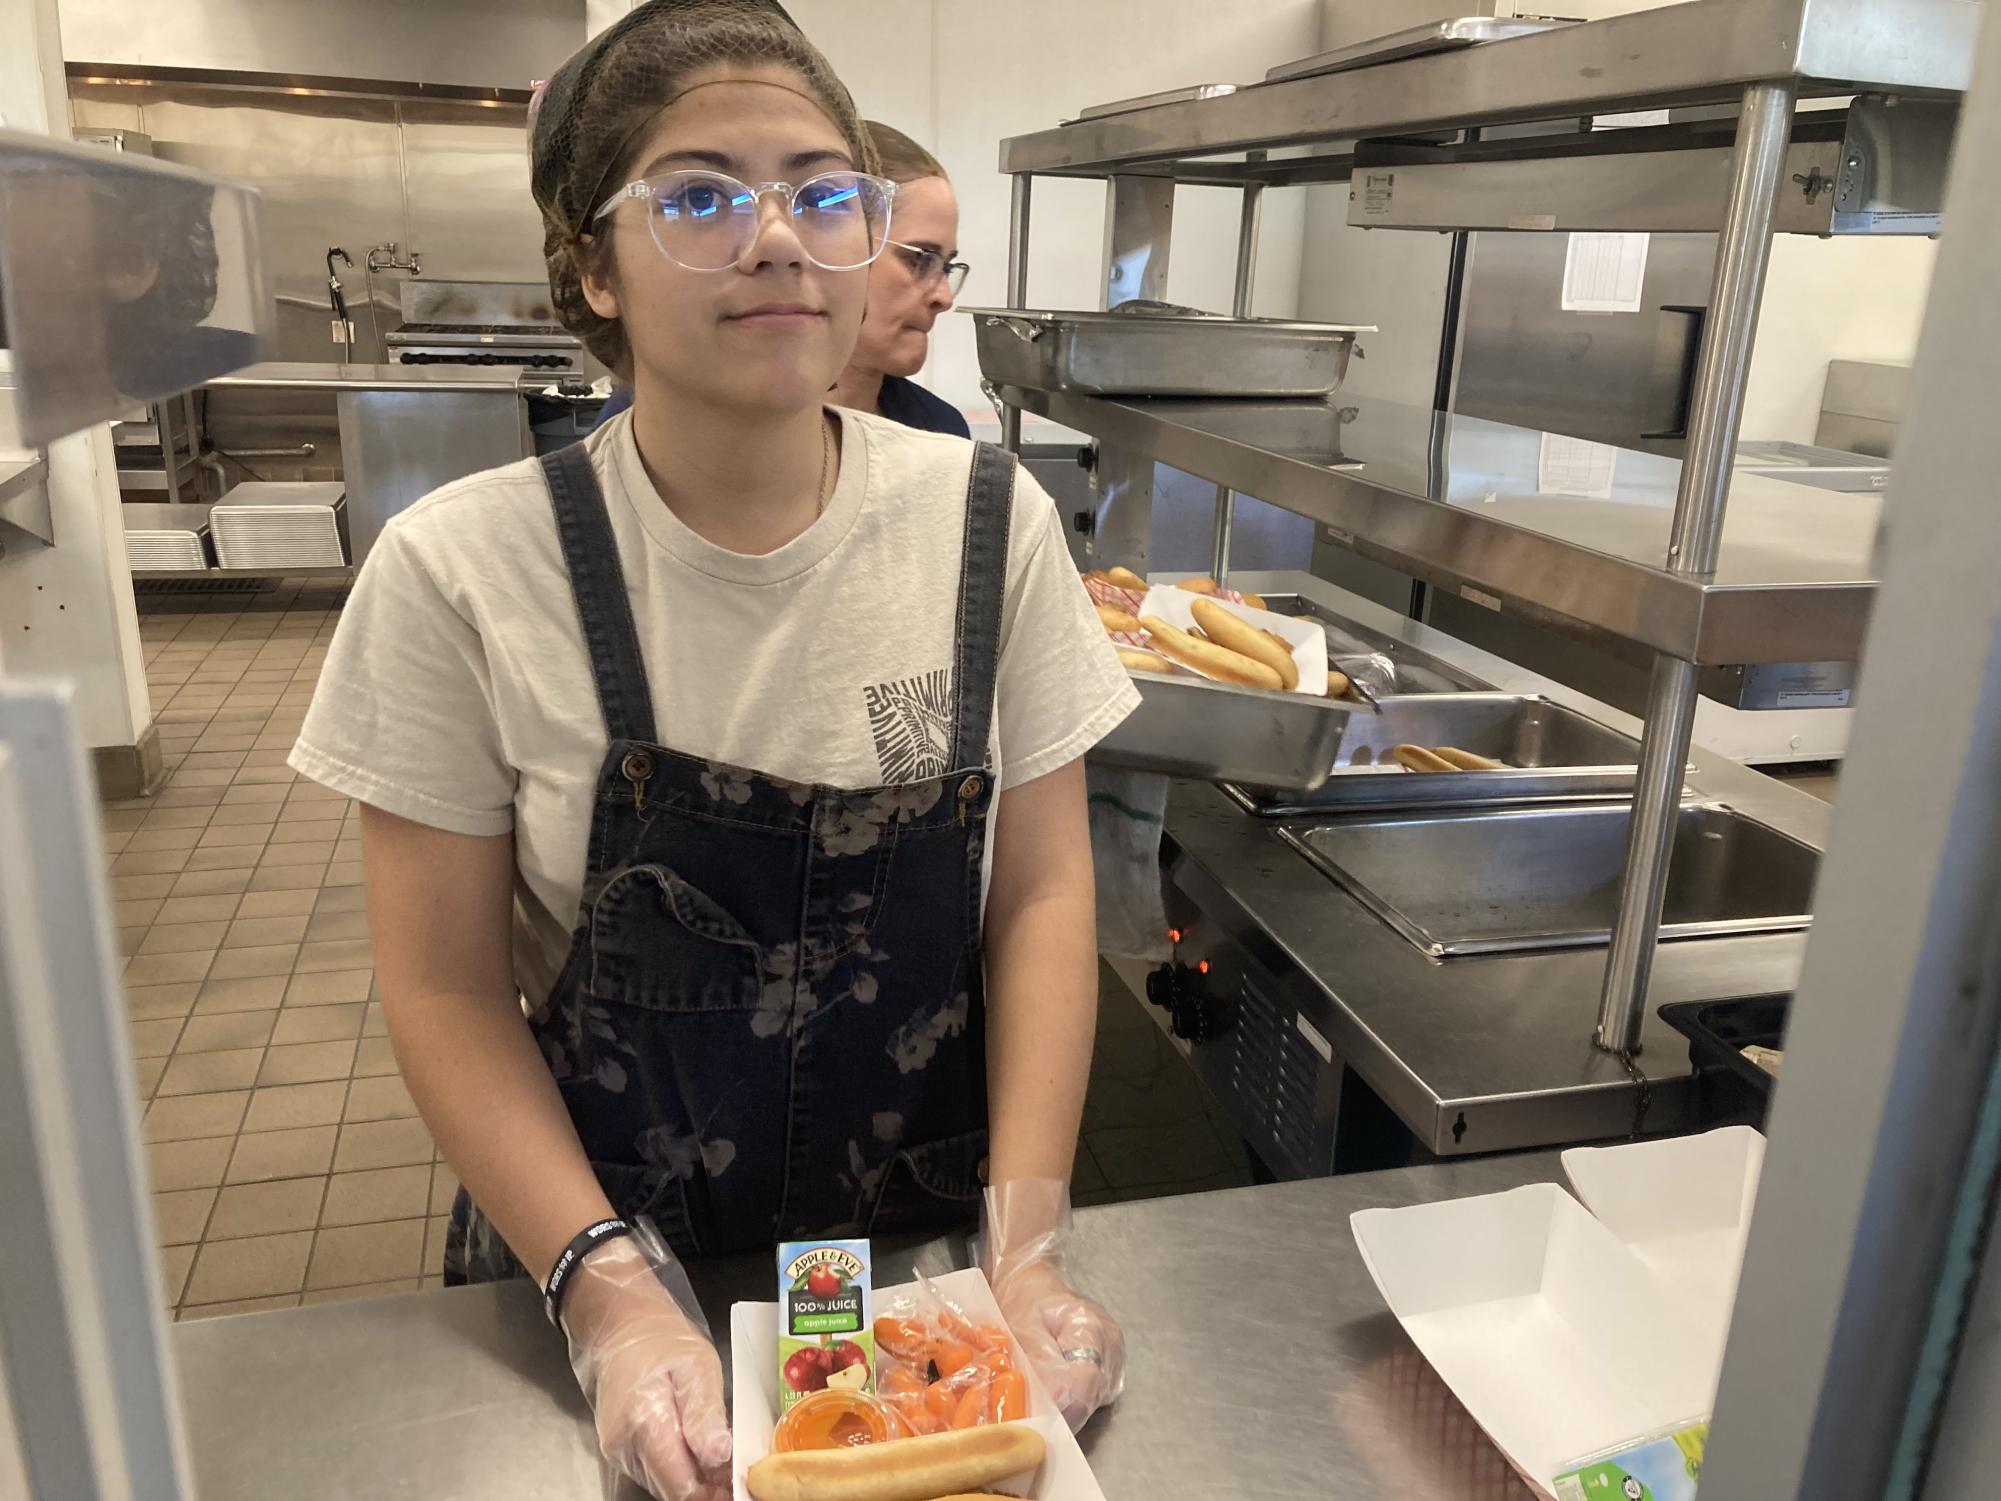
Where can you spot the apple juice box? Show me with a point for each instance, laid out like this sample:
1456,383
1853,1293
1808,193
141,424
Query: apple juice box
825,1321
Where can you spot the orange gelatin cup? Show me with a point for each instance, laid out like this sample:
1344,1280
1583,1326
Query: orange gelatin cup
836,1420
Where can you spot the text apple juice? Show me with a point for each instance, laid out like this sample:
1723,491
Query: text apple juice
825,1322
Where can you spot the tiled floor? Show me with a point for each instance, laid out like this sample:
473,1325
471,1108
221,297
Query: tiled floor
1150,1128
288,1160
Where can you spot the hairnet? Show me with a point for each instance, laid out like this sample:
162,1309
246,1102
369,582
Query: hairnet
587,119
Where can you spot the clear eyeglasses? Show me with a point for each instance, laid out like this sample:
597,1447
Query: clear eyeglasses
925,263
707,221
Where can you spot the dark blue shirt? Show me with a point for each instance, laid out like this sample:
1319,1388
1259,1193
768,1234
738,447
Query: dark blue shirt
902,401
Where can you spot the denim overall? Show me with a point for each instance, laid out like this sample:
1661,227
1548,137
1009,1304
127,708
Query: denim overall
771,1022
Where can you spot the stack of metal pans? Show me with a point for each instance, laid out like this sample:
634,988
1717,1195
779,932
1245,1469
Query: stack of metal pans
269,526
163,538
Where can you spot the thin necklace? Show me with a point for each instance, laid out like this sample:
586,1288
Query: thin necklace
826,453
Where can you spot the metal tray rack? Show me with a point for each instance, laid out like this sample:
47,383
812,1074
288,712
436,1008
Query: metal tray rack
1671,582
1175,353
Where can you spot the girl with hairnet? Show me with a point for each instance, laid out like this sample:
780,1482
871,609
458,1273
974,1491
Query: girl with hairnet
743,743
916,278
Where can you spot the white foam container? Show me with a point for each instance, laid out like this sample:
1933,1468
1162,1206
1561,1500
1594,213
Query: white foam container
1065,1475
1559,1340
1682,1205
1306,638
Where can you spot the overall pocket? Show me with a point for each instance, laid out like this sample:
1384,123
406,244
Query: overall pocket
660,943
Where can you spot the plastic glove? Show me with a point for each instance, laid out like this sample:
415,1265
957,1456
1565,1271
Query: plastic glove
642,1354
1076,1347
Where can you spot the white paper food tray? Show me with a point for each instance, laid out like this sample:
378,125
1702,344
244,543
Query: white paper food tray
1064,1476
1307,639
1683,1206
1557,1338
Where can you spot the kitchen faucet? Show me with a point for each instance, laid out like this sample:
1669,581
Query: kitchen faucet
388,258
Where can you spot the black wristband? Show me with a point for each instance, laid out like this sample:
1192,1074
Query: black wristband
581,1245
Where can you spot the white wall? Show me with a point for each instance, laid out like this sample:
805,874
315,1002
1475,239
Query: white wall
1845,299
960,76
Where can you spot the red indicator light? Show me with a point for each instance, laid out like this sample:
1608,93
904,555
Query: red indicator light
1202,967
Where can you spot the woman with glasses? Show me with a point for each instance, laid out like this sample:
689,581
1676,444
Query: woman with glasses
723,805
914,280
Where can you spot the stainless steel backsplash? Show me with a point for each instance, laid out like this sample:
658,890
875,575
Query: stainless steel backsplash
449,180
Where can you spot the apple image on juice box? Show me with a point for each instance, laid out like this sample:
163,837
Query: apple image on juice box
825,1321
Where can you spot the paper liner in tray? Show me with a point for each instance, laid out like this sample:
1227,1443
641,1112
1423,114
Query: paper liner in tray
1305,637
1064,1475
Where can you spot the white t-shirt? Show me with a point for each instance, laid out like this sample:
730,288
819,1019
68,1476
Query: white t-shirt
458,691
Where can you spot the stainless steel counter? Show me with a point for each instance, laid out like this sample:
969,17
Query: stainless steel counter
405,430
1262,1363
345,377
1476,1053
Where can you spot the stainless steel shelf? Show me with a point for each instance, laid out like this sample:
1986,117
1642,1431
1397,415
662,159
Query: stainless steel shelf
1875,167
1570,533
151,574
1699,53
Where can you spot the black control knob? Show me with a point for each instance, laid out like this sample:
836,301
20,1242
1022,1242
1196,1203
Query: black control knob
1189,1015
1084,523
1160,987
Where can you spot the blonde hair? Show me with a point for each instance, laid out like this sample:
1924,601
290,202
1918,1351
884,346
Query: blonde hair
903,160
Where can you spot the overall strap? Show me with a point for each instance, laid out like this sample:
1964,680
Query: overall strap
982,593
598,583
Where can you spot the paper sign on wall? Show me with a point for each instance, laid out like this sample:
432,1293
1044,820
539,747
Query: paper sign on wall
1604,273
1575,466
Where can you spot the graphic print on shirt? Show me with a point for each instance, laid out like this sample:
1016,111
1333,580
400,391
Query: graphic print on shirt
911,721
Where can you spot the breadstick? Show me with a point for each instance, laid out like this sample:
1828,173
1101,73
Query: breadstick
1125,578
1198,586
905,1469
1238,635
1466,760
1255,601
1206,657
1417,758
1115,619
1142,661
1337,684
